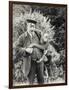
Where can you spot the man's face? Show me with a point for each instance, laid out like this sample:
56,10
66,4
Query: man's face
30,28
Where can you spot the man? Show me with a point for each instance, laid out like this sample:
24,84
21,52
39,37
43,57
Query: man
30,55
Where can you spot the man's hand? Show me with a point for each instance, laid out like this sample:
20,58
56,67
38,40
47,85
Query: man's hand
44,58
39,60
22,49
29,50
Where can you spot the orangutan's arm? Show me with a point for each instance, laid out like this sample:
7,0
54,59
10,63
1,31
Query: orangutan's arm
37,46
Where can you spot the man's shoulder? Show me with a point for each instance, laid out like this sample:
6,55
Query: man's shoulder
23,35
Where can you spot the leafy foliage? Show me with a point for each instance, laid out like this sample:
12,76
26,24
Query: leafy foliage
49,20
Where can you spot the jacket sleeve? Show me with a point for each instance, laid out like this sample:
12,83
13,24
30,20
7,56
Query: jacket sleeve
18,45
20,41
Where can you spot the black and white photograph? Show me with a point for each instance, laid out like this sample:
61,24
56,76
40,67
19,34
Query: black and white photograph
38,44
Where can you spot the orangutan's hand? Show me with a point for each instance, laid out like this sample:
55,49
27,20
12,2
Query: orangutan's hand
31,45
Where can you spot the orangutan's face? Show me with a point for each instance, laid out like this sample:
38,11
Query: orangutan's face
45,37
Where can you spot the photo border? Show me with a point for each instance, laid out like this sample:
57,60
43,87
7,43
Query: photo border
11,43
